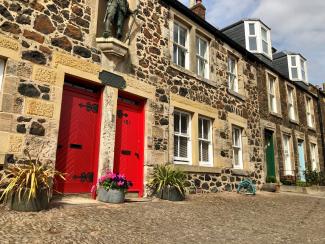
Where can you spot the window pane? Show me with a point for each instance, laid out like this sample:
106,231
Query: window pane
181,57
176,122
264,34
293,61
176,149
183,152
252,29
198,46
303,74
200,128
182,36
265,47
203,49
184,123
204,151
252,44
236,156
294,72
206,129
201,67
175,54
176,33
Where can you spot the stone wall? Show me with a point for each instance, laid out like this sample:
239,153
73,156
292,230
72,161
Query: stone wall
155,67
44,26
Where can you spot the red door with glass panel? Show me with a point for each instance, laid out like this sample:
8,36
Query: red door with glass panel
129,141
77,143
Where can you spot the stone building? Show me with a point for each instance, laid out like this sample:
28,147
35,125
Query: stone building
290,107
174,89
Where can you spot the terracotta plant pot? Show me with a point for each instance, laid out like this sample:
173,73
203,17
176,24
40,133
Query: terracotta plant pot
111,196
41,202
271,187
171,193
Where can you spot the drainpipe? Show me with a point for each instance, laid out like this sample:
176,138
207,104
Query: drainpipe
321,125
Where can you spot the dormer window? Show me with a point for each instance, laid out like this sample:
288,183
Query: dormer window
258,38
297,68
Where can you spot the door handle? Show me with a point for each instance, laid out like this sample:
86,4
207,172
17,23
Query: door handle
137,155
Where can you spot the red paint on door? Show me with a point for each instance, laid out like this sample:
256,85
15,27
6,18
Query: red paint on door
77,153
129,141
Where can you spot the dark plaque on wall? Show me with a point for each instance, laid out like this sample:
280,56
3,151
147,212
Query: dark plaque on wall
110,79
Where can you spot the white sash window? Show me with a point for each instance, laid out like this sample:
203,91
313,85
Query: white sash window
314,156
180,46
202,57
205,142
237,146
232,74
291,104
272,94
2,70
182,137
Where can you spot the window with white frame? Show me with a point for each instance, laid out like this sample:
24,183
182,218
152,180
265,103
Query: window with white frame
182,137
237,147
232,74
205,142
310,112
2,70
265,42
291,103
297,68
287,155
180,45
314,156
252,38
258,38
272,93
294,67
202,57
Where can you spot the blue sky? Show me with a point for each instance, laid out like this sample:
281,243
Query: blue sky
297,25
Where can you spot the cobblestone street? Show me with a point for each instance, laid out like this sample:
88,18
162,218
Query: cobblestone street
214,218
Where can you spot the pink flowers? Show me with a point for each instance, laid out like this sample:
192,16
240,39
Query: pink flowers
112,180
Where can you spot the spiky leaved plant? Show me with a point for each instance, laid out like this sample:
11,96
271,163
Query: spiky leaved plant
167,176
29,177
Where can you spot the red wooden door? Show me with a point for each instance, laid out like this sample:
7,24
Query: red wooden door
77,144
129,142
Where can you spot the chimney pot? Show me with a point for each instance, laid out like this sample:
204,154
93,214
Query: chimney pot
198,8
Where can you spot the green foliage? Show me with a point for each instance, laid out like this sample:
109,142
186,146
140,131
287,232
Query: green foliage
314,177
167,176
271,179
302,183
29,177
286,182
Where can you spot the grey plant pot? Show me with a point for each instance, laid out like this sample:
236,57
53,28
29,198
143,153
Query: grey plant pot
41,202
111,196
171,193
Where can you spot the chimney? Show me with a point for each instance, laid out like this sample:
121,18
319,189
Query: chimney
198,8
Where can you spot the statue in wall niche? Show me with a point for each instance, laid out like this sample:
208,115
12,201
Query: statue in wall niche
116,13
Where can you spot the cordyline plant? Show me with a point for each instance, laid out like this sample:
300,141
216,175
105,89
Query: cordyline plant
29,177
167,176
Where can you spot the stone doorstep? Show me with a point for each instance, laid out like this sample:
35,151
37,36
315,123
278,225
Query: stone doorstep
304,190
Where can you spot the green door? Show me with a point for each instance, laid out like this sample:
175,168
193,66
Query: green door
269,153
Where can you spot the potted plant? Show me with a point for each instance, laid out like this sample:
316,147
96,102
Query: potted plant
168,183
28,186
112,187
